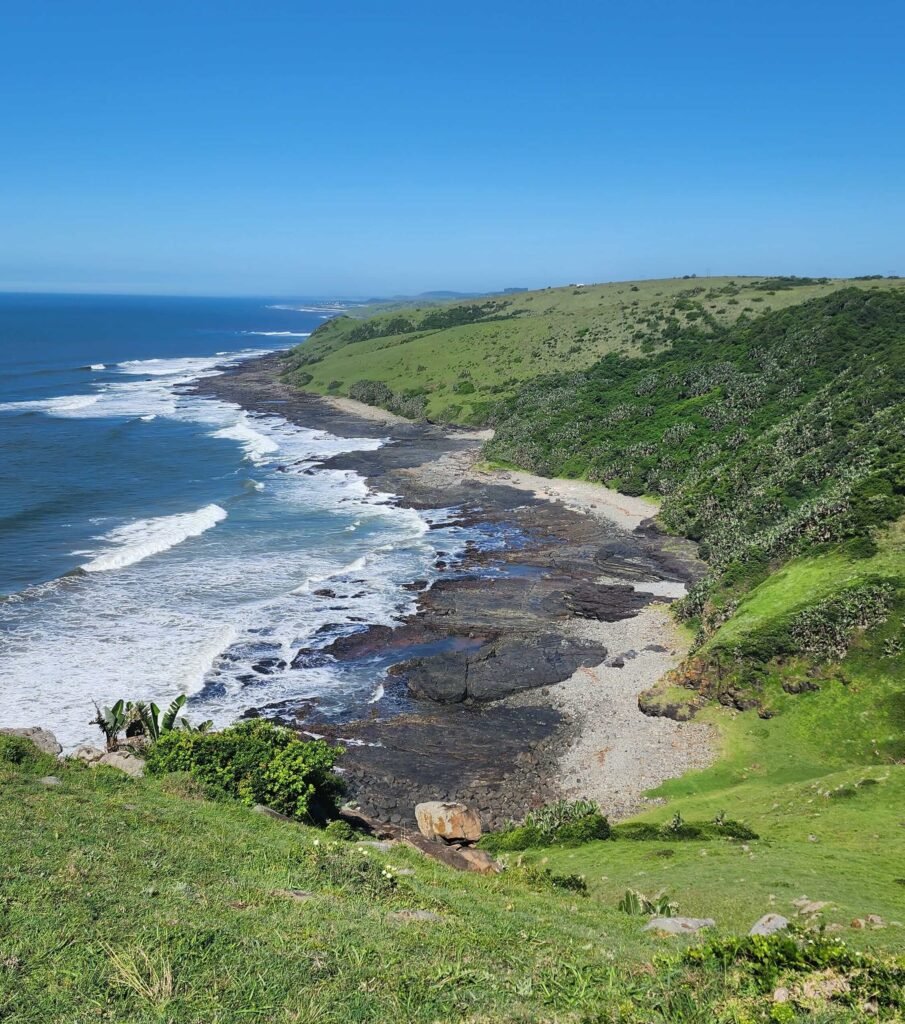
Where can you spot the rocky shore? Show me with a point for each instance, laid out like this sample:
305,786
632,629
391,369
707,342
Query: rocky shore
516,680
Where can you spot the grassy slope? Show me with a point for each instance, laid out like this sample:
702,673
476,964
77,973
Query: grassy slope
125,902
779,775
552,329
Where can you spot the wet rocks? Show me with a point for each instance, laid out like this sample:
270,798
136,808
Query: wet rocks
502,667
605,603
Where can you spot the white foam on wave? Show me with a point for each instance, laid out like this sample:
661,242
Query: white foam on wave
136,541
198,617
65,405
257,446
280,334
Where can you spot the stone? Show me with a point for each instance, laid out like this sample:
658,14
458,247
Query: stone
269,812
769,924
415,915
438,820
479,861
87,753
806,907
296,895
678,925
49,780
875,921
380,845
123,761
43,739
781,995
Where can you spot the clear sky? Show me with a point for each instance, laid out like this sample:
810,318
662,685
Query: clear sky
287,147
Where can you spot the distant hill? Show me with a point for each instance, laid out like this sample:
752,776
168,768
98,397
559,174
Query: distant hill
455,360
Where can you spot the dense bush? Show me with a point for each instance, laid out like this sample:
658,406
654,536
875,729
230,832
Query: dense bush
373,392
767,960
562,823
258,763
764,438
827,629
677,830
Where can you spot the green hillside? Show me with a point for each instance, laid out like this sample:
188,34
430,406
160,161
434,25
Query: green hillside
140,900
453,361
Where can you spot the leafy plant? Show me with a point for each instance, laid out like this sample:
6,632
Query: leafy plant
256,762
154,723
636,903
563,822
111,721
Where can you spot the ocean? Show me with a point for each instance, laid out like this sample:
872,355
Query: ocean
154,542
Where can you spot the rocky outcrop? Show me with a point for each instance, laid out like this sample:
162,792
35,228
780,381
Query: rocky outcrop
502,667
43,739
444,821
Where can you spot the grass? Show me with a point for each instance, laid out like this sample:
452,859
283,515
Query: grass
533,333
822,781
125,902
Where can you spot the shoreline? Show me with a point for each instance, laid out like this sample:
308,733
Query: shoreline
526,682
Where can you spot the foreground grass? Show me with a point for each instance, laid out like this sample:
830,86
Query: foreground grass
125,902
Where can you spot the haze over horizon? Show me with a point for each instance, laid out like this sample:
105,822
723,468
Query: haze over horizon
211,150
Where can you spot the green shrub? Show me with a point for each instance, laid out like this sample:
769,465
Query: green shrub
544,878
766,960
21,754
341,831
562,823
256,762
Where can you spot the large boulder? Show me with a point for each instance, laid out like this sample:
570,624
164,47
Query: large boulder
43,739
453,822
123,761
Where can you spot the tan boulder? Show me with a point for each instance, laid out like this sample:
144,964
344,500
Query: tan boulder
452,822
43,739
123,761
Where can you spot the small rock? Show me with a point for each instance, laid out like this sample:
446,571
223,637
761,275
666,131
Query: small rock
381,845
87,753
807,907
438,819
678,925
269,812
781,995
123,761
43,739
875,921
297,895
414,915
479,861
49,780
769,924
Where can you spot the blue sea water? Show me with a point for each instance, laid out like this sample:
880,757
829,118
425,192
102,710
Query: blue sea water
154,542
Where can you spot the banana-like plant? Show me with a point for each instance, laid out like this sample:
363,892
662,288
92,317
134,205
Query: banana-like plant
111,721
140,719
155,723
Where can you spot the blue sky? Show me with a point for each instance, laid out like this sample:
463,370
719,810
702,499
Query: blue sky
298,148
